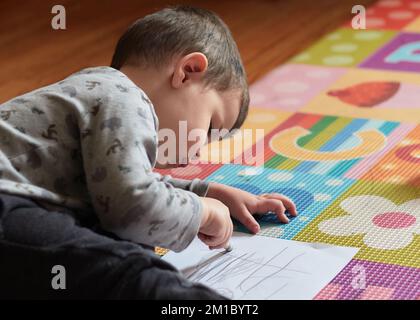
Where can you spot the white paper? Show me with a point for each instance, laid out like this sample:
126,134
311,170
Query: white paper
261,268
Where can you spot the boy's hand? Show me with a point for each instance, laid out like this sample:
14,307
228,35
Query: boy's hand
243,205
216,225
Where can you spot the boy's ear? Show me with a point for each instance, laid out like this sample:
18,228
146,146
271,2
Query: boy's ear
190,67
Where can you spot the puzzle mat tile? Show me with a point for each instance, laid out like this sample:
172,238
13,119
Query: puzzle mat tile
311,194
381,219
344,47
292,86
365,280
363,93
391,15
400,54
225,151
399,166
261,151
413,26
329,145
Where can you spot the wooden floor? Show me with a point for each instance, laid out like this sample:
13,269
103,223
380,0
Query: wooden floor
32,54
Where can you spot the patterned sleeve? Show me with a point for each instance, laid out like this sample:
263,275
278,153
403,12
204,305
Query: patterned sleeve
198,186
119,149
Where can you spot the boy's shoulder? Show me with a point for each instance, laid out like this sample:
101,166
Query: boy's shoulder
89,83
101,71
111,86
106,81
105,78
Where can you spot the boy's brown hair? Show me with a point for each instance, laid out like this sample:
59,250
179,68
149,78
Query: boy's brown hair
180,30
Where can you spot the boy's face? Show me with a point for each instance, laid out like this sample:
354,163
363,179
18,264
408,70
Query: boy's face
186,108
191,113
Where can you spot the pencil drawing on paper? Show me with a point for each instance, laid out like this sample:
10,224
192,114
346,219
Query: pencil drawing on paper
249,271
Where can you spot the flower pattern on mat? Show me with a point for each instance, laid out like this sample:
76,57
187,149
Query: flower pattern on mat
384,224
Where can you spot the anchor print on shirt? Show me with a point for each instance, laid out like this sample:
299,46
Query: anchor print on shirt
154,226
95,109
37,111
6,114
50,133
121,88
124,169
116,145
71,91
90,85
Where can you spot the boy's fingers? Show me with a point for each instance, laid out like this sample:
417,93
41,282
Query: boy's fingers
203,237
209,240
265,205
216,247
248,221
223,244
218,242
228,235
288,203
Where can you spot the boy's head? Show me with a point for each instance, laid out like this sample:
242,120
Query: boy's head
187,62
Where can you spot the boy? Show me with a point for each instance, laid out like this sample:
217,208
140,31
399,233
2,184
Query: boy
76,157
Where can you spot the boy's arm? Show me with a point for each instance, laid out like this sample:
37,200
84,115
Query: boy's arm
198,186
130,199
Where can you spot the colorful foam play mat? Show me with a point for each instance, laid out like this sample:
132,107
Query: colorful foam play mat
341,138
